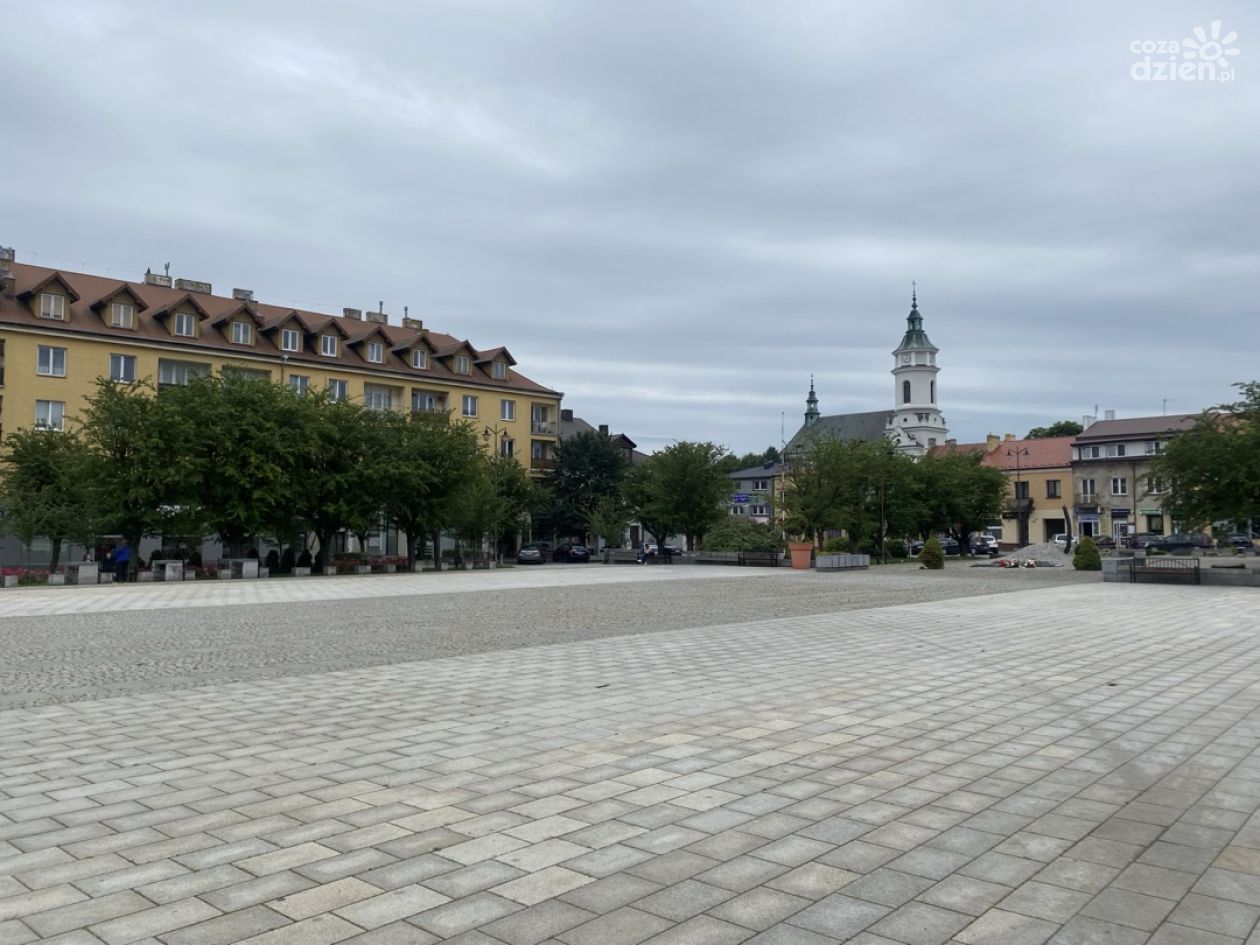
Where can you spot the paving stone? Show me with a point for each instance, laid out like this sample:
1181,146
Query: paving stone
228,929
610,893
1128,908
153,922
813,880
88,912
462,915
1215,915
887,887
965,894
326,898
918,923
625,926
388,907
548,883
702,930
839,916
997,927
759,908
684,900
1082,930
1043,901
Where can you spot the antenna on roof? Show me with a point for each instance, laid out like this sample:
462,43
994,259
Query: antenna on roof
380,307
168,270
406,310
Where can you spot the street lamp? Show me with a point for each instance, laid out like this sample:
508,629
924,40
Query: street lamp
1022,515
497,433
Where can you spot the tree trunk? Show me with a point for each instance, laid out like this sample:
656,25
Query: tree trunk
56,554
324,539
437,550
411,550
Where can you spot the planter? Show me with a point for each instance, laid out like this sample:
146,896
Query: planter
144,577
362,569
842,562
301,572
329,571
10,580
801,554
105,577
264,572
390,568
224,574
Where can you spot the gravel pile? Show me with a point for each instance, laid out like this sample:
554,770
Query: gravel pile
1047,553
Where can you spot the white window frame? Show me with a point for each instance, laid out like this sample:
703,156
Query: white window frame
53,414
463,364
499,370
181,372
185,320
122,315
338,390
53,306
760,485
1122,482
50,361
507,447
242,333
299,383
290,339
328,345
122,368
419,359
375,352
468,405
378,398
507,409
1091,452
1089,487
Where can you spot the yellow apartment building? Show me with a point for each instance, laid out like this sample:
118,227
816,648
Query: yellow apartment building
1039,486
60,331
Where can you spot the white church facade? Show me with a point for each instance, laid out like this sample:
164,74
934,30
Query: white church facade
915,423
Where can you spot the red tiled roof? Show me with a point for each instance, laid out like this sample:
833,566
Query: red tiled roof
1049,453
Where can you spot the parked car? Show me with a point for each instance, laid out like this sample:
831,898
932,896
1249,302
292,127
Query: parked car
1180,542
1236,541
1061,540
529,554
671,550
1142,540
1103,541
573,553
984,544
948,545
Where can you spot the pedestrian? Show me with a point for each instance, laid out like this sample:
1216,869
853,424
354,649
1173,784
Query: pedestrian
122,560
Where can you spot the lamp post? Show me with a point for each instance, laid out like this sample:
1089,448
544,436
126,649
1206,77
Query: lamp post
1022,516
497,433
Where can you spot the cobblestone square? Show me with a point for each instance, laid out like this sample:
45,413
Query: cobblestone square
600,755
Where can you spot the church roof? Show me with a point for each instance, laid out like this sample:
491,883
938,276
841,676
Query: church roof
915,337
867,427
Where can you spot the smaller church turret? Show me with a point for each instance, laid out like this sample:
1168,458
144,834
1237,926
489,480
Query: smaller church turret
917,417
811,405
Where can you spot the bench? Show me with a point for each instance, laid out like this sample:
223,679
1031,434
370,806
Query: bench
1164,569
759,559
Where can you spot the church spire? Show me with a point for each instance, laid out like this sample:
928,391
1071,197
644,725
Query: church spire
811,404
915,336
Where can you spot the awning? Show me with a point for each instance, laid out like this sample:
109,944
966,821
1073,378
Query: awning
1119,513
1151,511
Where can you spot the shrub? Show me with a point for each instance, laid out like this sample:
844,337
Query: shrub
1086,556
273,561
194,559
836,546
897,549
287,561
738,534
932,555
304,559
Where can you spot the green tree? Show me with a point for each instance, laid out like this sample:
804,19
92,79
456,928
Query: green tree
960,495
608,518
731,463
1061,428
681,486
589,467
736,533
932,555
46,489
1213,469
1086,556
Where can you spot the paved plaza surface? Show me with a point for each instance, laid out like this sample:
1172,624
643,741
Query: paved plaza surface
1070,762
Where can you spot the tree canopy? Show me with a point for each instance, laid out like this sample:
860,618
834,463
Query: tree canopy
1061,428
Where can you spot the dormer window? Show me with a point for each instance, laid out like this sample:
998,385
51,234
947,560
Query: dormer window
185,324
463,365
122,315
499,371
290,340
419,359
53,306
328,345
242,333
375,352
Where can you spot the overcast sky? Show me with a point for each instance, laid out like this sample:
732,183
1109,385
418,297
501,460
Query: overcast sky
675,212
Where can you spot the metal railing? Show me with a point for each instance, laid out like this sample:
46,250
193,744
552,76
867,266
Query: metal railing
542,427
542,462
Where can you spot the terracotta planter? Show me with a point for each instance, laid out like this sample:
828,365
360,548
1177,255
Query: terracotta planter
801,552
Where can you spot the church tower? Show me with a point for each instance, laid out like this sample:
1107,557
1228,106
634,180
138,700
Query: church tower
917,424
811,405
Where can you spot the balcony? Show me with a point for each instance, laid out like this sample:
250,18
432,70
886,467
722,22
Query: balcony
541,463
542,427
1085,499
1015,508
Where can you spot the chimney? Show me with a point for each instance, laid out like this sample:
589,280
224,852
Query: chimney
7,256
949,442
192,285
243,295
356,314
566,415
379,316
603,429
1109,414
153,278
1086,421
414,324
1009,437
991,442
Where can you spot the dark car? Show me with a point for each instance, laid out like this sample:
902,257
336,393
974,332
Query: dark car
572,553
984,545
1236,541
948,545
529,554
1142,540
1104,541
1179,543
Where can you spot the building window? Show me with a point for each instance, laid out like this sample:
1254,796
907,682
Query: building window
905,392
500,370
507,447
1052,488
1119,485
375,352
469,406
337,390
1155,524
52,306
423,401
933,389
1115,449
122,315
760,485
1088,490
1154,447
419,359
50,414
122,368
242,333
51,361
1155,485
758,510
377,398
290,340
185,325
178,373
1021,489
507,409
462,364
328,345
299,383
1090,452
